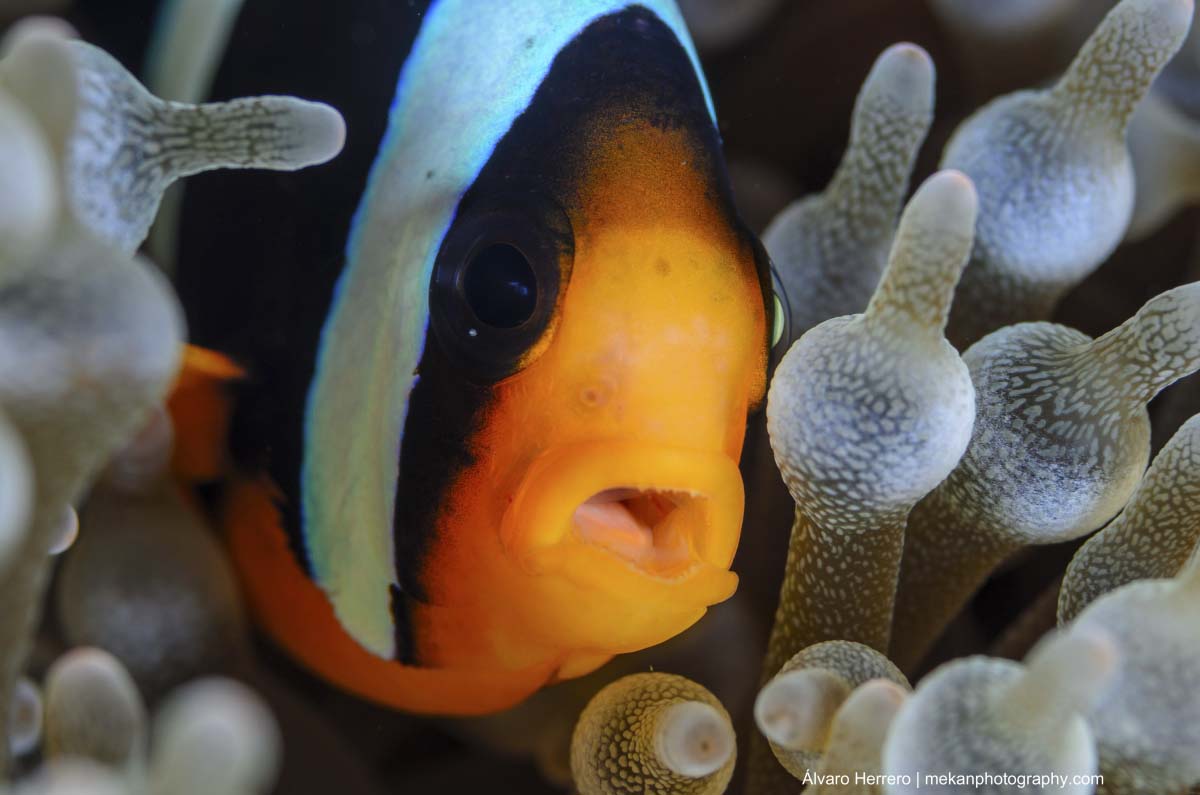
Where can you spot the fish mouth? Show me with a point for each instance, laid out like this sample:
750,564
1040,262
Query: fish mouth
606,512
651,529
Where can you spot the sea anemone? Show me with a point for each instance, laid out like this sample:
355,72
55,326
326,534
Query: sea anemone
930,423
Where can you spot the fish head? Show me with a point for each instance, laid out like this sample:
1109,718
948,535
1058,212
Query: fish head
626,326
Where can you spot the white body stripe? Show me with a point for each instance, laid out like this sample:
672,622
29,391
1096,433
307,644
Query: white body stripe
475,66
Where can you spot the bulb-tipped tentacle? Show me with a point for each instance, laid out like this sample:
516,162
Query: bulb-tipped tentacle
1152,538
866,414
119,147
655,733
1048,399
830,249
1054,175
980,715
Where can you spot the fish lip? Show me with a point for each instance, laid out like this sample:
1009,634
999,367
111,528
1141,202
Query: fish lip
538,530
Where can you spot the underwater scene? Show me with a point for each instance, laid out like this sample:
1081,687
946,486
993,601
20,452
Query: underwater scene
606,397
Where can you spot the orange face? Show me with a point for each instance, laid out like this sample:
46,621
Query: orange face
604,504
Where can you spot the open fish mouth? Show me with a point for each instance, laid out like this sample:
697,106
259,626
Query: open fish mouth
604,512
649,528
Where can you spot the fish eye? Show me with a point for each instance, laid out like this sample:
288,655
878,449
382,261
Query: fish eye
782,313
777,326
500,286
496,282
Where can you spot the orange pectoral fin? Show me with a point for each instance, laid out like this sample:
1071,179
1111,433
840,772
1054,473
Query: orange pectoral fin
201,405
295,612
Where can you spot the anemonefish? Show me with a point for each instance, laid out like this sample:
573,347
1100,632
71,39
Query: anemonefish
498,355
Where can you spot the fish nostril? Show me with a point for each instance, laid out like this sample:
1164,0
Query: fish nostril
596,394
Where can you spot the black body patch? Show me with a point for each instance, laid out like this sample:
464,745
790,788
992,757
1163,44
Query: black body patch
260,252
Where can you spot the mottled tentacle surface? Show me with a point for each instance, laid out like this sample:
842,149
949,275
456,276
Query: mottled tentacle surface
854,753
118,147
830,249
653,733
1152,538
1061,439
982,715
866,414
1147,724
1053,172
826,674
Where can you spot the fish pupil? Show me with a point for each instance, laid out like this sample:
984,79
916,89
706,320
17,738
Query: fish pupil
500,286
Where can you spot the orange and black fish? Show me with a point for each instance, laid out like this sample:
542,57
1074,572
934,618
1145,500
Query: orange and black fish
498,355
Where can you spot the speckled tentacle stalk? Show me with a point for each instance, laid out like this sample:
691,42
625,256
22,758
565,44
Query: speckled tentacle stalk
978,714
958,568
1061,439
118,147
1116,65
653,733
1053,172
855,747
830,249
1147,724
796,709
1152,538
857,604
866,414
89,342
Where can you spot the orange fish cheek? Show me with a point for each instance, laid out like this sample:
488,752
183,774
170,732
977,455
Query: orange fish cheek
527,615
